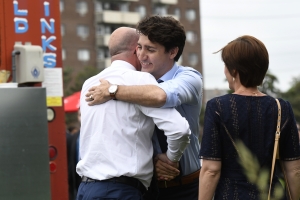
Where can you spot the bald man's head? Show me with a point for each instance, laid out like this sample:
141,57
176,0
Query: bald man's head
123,41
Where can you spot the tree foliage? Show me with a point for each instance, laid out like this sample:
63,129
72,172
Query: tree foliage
67,79
73,83
293,96
268,85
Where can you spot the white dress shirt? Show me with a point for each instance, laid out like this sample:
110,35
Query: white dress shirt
115,137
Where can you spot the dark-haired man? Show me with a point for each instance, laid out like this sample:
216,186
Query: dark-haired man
160,45
116,137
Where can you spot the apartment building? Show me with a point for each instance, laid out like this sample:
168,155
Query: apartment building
86,26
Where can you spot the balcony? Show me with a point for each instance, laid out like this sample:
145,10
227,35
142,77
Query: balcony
102,40
103,63
118,17
172,2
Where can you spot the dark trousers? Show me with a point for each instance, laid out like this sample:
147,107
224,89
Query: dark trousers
183,192
153,191
102,190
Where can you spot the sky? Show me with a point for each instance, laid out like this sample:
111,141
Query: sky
275,22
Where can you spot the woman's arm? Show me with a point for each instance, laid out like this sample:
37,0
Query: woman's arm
292,170
209,178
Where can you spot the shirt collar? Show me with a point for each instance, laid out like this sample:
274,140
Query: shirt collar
122,64
170,74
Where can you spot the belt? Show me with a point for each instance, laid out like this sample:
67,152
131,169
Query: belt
180,181
122,179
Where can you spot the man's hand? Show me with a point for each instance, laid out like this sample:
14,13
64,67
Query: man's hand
165,169
98,94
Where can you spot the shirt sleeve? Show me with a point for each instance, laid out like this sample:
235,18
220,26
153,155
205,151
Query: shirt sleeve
211,143
184,88
175,127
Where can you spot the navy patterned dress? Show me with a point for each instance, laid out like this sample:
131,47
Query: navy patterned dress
251,119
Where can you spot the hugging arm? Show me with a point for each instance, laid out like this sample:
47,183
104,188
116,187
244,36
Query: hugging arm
177,131
145,95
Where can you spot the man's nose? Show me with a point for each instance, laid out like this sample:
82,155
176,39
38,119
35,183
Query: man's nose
141,54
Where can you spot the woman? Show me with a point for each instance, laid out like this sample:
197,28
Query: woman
250,116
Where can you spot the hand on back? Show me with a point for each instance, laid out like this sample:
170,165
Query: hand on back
165,169
99,93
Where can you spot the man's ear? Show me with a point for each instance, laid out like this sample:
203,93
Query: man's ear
173,52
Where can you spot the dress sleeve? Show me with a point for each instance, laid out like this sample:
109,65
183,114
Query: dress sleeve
289,148
211,143
184,88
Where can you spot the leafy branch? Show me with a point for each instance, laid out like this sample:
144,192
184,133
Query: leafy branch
255,174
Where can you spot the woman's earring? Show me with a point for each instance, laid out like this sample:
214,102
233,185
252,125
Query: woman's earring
233,79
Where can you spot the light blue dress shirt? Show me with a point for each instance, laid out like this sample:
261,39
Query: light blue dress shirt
184,89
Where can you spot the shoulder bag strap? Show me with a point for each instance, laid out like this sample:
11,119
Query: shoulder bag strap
275,151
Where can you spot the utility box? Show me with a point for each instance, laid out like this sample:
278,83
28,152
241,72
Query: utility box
24,158
29,63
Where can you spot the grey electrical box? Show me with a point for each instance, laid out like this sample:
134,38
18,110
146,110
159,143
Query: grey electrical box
24,158
29,63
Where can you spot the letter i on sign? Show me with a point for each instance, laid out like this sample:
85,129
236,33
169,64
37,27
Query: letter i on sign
46,9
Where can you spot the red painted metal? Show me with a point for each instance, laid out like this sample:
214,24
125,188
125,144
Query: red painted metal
8,37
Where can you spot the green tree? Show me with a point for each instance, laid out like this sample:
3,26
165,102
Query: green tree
293,96
268,85
82,76
73,82
67,79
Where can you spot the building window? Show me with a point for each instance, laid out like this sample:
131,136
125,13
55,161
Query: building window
124,7
160,10
106,6
102,29
83,55
63,54
193,59
191,37
103,53
98,6
83,31
82,7
61,5
177,13
190,14
112,6
62,30
142,10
